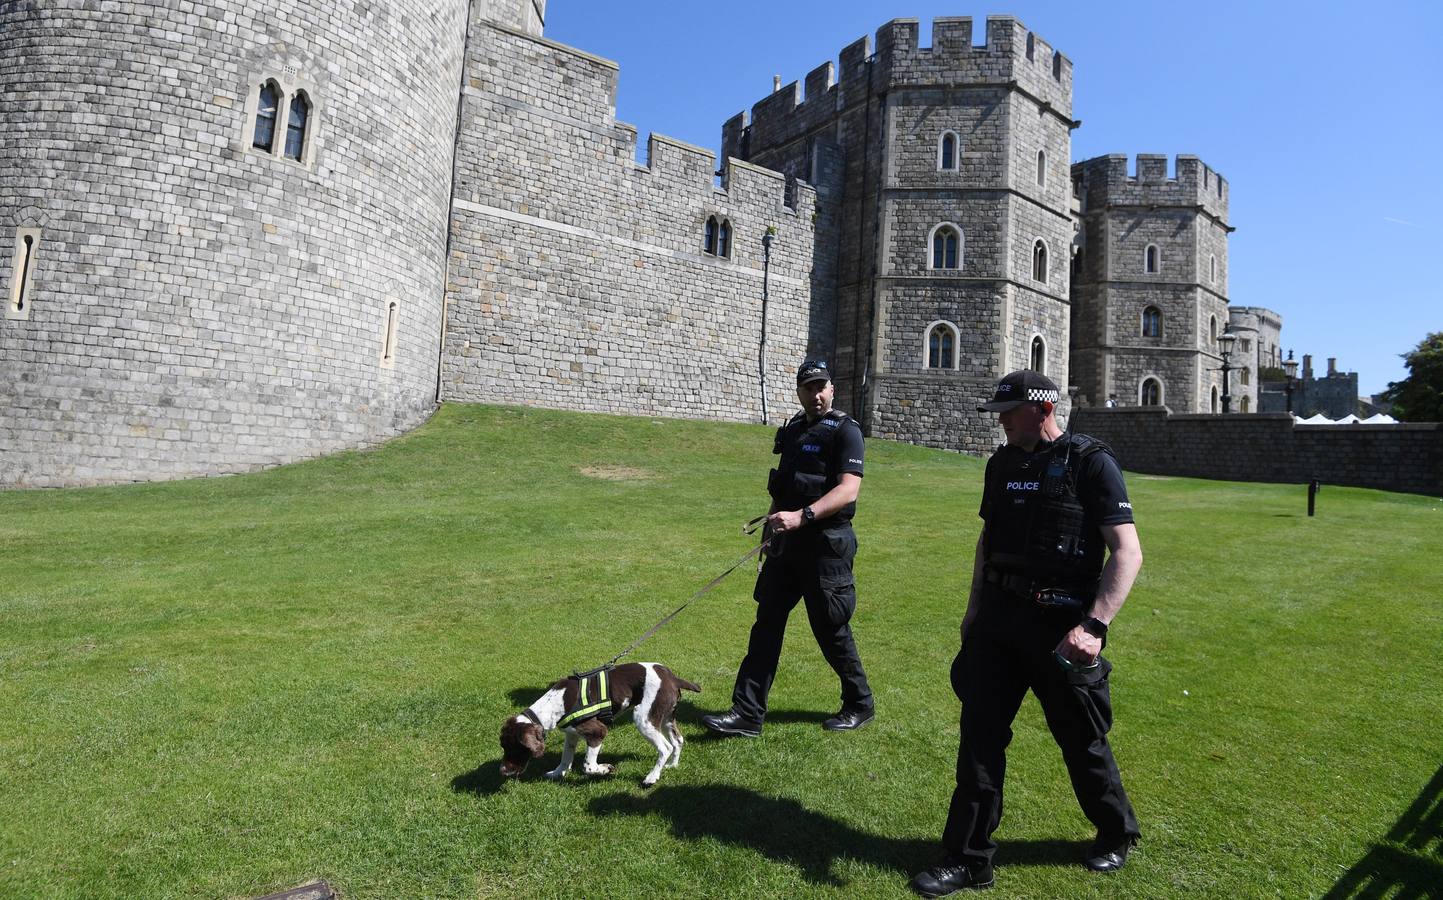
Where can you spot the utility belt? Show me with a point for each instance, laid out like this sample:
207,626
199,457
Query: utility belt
806,538
1044,594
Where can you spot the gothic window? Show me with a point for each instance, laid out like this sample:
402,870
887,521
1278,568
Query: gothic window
1151,393
724,239
1038,355
1151,260
941,346
265,133
388,343
946,247
296,125
948,152
1212,330
1039,261
709,245
1041,168
1243,375
1152,322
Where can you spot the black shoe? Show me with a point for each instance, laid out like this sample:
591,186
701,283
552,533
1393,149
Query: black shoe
1109,856
731,722
949,877
849,719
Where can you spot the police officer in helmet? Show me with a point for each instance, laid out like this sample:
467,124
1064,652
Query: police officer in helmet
1056,558
814,495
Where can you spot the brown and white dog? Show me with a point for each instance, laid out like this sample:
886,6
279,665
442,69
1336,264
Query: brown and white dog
649,689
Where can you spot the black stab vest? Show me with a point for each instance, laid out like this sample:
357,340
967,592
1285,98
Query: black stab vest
1060,549
801,477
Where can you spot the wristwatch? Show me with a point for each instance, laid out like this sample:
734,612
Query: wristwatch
809,516
1095,627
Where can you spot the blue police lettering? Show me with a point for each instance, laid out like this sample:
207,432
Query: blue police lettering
1023,485
811,448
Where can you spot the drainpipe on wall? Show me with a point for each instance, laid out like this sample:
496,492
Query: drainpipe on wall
766,285
451,195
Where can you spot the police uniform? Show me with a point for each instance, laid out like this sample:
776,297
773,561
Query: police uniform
1043,555
813,563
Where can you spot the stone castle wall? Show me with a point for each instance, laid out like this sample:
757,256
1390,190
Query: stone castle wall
579,278
1269,447
196,306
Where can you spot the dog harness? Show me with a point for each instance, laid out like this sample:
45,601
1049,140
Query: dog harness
593,698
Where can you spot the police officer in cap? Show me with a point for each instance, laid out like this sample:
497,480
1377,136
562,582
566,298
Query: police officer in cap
814,495
1056,558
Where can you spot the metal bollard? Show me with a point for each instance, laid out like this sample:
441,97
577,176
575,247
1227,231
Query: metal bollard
1313,488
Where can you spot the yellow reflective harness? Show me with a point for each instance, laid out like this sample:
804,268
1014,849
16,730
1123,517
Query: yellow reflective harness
593,698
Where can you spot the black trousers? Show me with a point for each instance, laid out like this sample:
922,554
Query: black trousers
815,565
1008,650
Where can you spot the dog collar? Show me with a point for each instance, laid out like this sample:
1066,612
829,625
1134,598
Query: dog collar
527,713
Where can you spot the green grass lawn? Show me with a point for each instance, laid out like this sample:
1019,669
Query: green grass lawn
228,687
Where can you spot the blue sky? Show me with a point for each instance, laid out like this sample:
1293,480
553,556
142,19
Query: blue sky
1326,119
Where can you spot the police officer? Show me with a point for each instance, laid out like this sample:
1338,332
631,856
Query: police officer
814,495
1041,601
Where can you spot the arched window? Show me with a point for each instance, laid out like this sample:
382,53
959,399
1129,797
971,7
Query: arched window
1247,404
1151,393
946,247
1039,355
296,125
1215,399
941,346
724,239
1152,322
388,343
1041,168
1151,260
1212,330
1243,375
709,244
1039,261
265,133
948,152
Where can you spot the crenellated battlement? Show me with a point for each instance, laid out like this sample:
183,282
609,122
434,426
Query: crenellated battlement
1010,56
1117,180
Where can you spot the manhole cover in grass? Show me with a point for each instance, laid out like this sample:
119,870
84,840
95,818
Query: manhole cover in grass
616,473
316,891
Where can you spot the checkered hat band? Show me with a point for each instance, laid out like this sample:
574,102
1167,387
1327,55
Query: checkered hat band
1042,394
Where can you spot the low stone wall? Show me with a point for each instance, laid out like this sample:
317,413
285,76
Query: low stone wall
1269,447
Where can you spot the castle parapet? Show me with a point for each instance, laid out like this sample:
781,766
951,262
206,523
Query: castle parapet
1012,57
1107,181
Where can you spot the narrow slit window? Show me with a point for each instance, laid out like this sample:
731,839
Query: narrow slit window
1039,356
1056,65
1039,261
26,244
388,343
296,126
709,244
1042,168
724,239
265,133
948,156
1150,260
1212,268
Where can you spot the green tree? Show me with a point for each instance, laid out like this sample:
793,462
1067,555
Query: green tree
1419,397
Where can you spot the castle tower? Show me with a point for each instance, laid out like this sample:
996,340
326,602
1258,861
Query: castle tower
1149,284
943,218
1259,333
223,233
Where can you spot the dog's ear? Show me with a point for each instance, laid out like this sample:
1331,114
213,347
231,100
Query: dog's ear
534,740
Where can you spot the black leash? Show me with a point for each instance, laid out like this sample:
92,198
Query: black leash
749,528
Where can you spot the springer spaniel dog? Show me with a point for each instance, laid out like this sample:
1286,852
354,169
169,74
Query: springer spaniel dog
650,689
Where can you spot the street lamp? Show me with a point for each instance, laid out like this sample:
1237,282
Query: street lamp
1290,368
1225,347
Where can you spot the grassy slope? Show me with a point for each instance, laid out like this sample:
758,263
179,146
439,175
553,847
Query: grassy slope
231,686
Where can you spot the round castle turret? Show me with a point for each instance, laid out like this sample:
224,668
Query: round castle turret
196,284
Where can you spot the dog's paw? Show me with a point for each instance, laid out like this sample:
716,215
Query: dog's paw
650,781
601,769
555,774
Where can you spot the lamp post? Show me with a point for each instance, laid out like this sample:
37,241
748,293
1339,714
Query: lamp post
1290,368
1225,347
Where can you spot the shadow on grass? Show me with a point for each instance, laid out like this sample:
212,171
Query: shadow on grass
1409,861
687,714
487,778
785,831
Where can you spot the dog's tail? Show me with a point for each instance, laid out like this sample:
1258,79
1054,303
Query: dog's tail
687,685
